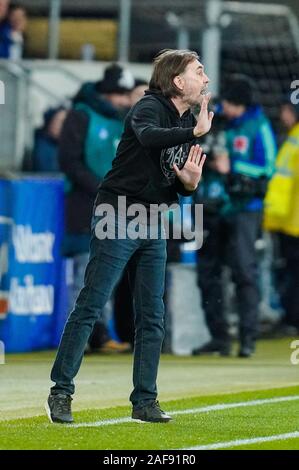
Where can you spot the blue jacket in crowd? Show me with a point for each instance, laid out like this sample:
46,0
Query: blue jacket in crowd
5,40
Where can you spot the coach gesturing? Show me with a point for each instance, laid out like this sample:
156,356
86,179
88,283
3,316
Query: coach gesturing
156,159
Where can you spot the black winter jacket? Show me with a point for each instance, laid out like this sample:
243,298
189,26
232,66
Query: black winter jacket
154,138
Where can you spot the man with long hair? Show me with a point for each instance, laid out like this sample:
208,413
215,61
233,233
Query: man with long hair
155,160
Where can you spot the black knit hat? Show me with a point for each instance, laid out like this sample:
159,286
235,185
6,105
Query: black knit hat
240,90
116,80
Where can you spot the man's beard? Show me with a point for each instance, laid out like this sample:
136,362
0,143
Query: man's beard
193,102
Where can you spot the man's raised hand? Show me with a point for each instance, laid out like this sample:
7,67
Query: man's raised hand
191,172
205,117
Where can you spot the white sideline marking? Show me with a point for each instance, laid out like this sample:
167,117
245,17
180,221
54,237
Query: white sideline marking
101,423
240,442
204,409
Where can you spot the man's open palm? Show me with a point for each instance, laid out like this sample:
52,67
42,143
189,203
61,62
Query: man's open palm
191,172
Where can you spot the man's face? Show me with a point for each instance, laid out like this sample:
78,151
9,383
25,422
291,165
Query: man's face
119,101
287,116
193,83
18,20
3,9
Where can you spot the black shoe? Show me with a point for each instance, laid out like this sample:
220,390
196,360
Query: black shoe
247,347
58,408
214,346
151,413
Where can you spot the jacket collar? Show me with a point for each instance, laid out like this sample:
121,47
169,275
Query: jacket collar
167,103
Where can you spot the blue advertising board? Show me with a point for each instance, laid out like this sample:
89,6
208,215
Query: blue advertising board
30,242
5,234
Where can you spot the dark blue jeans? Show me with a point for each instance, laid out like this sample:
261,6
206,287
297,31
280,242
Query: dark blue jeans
108,258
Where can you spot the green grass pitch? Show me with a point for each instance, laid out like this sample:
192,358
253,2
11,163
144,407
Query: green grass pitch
252,403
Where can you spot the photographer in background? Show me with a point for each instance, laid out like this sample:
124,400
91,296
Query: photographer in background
242,172
213,195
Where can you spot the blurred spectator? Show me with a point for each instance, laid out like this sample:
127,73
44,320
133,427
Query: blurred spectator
45,151
88,145
4,28
12,33
4,5
282,216
17,18
138,91
233,216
